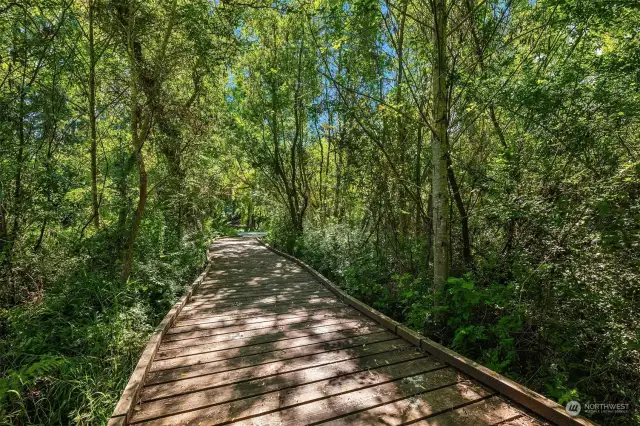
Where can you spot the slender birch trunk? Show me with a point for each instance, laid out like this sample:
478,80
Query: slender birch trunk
401,127
92,119
441,225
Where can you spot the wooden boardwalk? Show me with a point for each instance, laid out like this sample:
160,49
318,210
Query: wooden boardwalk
262,342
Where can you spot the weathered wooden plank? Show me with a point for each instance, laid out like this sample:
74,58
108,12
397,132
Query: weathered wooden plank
254,279
265,290
261,329
261,301
232,326
416,407
211,381
251,318
264,276
265,347
226,341
240,312
265,305
203,399
483,413
225,287
263,259
242,272
283,272
269,351
250,280
250,298
434,408
364,398
208,363
248,283
304,393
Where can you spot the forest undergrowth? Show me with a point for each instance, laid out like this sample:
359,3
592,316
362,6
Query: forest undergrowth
68,352
542,328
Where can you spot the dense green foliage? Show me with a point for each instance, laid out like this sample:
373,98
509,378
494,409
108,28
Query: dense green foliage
67,357
132,132
71,329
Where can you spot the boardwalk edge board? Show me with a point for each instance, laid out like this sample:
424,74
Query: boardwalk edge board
535,402
130,396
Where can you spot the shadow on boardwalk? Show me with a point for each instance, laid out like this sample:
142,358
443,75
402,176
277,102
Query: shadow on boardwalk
263,343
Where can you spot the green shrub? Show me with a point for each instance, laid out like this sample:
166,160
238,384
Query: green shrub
67,355
481,322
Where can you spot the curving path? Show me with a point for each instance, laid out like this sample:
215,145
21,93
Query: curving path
262,342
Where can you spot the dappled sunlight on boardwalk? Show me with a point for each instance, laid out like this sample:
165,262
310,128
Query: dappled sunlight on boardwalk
263,343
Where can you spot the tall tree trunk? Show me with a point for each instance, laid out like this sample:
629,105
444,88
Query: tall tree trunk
337,159
127,263
3,229
462,212
320,182
17,194
418,204
43,228
141,123
429,234
441,226
328,163
137,218
139,133
92,119
401,128
50,131
249,223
